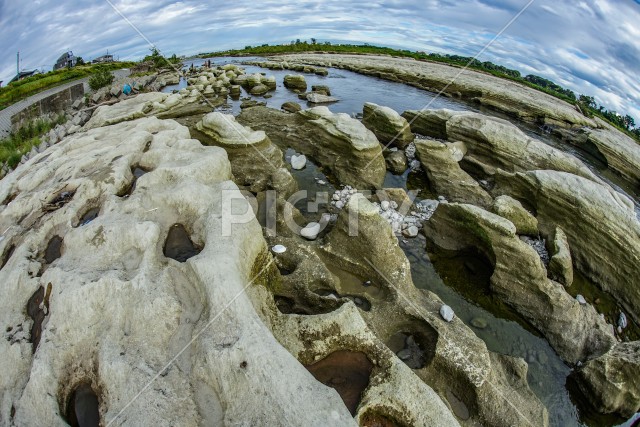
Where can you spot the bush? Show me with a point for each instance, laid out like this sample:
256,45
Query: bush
100,79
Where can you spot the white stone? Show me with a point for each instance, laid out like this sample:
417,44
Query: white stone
311,231
279,249
298,161
384,205
447,313
581,299
411,231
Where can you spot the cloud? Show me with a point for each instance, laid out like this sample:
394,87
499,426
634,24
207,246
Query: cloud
590,46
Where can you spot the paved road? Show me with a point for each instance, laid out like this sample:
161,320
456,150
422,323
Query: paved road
5,115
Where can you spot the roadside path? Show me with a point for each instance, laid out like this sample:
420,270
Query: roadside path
5,115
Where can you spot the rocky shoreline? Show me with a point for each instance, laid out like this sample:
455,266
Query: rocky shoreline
119,254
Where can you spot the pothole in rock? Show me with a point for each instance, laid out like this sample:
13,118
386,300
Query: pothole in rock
361,302
88,216
83,409
287,305
59,200
347,372
53,250
179,245
457,406
37,309
415,348
7,255
137,172
373,419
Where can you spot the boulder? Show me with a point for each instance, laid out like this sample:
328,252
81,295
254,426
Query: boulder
323,89
494,143
620,152
259,89
519,279
336,141
560,264
318,98
511,209
295,82
291,107
396,162
118,267
387,125
446,176
254,159
586,211
610,383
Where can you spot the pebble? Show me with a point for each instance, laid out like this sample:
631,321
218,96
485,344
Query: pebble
279,249
411,231
311,231
581,299
404,354
298,162
339,204
479,323
447,313
385,205
622,321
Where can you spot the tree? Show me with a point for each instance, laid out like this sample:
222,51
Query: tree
628,122
587,101
79,60
313,41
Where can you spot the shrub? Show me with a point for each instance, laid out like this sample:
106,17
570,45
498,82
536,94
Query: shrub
100,79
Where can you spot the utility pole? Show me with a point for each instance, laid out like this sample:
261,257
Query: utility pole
18,63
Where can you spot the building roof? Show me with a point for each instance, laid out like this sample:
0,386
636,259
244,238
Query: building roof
23,74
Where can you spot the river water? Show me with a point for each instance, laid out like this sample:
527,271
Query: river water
501,329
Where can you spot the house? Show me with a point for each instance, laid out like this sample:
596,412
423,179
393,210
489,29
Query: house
67,59
102,59
23,75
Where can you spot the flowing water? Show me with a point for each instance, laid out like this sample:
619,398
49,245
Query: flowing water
502,330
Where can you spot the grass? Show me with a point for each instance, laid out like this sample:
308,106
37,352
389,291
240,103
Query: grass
21,142
22,89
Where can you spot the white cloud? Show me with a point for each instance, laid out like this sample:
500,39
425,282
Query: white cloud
591,46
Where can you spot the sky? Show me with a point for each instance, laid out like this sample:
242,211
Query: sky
589,46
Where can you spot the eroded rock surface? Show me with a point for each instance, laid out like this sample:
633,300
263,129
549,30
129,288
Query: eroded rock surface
334,140
600,224
519,278
389,127
494,143
120,311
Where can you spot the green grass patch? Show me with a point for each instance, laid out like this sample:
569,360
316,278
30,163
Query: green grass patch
21,142
22,89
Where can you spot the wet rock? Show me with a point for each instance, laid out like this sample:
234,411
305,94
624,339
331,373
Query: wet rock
322,89
83,408
479,323
396,162
610,383
520,280
387,125
298,161
259,89
511,209
295,81
318,98
586,211
291,107
561,265
411,231
447,177
335,141
622,321
447,313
